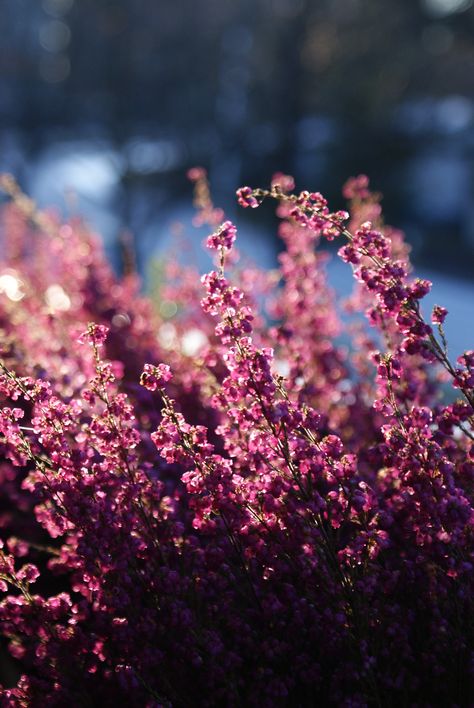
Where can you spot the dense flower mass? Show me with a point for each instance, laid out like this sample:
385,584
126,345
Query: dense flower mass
240,504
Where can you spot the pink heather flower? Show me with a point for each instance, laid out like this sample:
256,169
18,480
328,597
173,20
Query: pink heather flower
29,573
154,377
224,237
438,315
420,288
95,335
467,358
246,198
18,547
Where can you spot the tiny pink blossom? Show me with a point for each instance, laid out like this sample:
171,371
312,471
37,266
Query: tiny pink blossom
246,198
154,377
224,237
29,573
438,315
95,335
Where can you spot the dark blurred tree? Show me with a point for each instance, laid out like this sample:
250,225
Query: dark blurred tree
310,86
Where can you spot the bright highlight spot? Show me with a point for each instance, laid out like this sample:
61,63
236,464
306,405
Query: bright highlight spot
167,335
447,7
57,299
192,341
282,367
11,287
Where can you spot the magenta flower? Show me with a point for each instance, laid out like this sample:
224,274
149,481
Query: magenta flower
95,335
154,377
224,237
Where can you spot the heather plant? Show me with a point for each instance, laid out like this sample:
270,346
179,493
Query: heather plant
270,517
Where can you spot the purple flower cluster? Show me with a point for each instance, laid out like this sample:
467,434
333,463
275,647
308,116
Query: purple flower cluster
223,238
208,509
154,377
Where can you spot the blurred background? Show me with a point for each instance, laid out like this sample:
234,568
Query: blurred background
104,104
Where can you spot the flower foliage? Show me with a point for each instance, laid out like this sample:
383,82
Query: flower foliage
273,520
